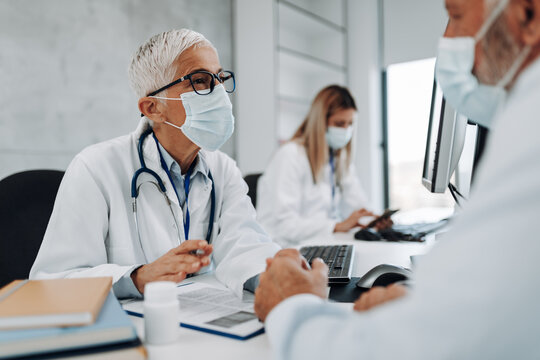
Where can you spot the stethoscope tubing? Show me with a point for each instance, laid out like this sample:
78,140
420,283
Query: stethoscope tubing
135,189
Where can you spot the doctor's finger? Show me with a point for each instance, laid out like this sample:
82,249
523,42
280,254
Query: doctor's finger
191,245
188,268
364,212
185,259
189,259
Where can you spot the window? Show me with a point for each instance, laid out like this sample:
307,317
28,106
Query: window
409,86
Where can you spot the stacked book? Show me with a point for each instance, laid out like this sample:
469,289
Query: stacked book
65,318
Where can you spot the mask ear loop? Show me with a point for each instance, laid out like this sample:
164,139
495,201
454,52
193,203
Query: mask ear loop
491,19
175,126
166,98
511,73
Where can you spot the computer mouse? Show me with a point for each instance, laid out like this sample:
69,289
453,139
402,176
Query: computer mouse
367,234
384,275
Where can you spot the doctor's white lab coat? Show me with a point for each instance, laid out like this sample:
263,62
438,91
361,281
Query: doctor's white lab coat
92,228
292,208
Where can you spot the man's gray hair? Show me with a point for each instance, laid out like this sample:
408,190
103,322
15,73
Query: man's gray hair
152,64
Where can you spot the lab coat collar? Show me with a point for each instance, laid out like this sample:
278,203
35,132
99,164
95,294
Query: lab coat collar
151,157
200,165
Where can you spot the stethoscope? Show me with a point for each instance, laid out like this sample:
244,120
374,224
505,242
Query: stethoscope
161,187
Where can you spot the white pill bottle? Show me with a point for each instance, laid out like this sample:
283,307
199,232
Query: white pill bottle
161,309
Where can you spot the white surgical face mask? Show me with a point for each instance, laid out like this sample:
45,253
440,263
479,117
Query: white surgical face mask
338,137
455,62
209,119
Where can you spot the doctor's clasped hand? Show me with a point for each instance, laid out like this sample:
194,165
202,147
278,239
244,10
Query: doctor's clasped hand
174,265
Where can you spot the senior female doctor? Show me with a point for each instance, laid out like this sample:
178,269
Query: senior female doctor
160,203
310,188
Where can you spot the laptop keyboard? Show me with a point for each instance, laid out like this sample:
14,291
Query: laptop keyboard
338,258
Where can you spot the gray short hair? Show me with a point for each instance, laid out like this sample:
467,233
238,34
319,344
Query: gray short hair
152,64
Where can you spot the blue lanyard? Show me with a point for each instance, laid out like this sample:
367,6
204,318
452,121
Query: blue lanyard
186,186
332,176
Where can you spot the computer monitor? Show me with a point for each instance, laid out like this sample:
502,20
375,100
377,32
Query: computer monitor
445,141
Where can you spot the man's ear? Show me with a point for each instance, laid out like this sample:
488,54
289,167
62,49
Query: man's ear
530,22
151,108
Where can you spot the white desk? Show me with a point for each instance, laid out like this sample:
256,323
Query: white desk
193,344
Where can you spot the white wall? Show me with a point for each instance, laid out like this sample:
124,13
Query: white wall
365,85
63,67
412,29
255,68
64,81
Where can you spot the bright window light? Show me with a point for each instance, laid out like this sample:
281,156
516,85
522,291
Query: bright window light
409,87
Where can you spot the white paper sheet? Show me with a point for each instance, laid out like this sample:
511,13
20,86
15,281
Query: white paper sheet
213,309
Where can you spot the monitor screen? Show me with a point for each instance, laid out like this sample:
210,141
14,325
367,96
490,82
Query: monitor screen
445,140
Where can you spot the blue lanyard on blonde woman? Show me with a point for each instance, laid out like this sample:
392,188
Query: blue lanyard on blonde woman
332,175
333,181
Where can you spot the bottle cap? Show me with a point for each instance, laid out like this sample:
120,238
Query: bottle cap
160,292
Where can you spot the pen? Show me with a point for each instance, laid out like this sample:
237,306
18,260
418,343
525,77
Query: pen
197,252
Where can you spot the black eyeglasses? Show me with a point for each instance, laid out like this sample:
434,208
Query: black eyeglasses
203,82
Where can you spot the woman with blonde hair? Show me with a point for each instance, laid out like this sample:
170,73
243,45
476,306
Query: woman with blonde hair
310,188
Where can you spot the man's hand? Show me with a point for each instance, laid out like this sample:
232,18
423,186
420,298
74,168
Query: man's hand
291,253
379,295
286,275
352,221
174,265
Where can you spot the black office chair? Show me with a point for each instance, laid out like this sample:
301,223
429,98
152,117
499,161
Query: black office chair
251,181
26,203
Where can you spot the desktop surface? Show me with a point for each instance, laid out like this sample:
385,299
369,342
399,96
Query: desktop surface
196,344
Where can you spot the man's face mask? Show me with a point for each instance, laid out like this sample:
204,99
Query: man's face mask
209,119
455,62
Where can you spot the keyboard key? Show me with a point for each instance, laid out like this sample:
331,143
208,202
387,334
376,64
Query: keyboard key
338,258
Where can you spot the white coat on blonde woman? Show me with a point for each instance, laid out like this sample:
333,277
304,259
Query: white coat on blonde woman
293,208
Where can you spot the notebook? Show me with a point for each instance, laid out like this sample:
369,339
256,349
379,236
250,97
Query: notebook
112,326
55,302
